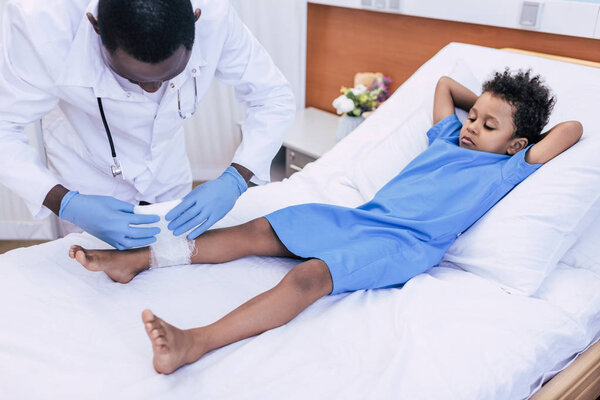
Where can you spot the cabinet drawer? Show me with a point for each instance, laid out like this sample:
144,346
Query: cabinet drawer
295,161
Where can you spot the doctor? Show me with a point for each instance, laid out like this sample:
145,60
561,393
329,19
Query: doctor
125,74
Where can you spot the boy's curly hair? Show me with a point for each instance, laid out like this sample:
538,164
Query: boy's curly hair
532,102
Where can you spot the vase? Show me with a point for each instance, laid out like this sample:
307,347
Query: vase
347,124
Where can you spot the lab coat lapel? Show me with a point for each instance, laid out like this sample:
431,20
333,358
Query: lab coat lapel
185,83
168,111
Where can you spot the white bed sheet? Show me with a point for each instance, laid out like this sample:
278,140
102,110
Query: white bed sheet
69,333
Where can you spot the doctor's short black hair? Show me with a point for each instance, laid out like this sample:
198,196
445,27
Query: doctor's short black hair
531,100
148,30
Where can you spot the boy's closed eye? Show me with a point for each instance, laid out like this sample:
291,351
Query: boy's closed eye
486,125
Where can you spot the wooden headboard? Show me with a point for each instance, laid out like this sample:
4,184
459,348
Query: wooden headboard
343,41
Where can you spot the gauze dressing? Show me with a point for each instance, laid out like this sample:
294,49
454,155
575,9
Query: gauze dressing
168,249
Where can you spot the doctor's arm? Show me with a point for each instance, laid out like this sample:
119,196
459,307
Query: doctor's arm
448,95
24,98
243,171
266,93
54,198
270,103
26,95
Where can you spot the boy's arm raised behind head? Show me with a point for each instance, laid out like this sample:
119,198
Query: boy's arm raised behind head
554,142
448,95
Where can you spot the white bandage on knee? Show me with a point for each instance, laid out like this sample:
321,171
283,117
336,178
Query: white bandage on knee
168,249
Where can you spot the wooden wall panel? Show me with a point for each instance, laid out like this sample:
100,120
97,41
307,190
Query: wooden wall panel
343,41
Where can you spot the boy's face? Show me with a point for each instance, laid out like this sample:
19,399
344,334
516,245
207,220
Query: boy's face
490,127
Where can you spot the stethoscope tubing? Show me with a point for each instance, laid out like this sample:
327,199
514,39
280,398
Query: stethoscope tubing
106,128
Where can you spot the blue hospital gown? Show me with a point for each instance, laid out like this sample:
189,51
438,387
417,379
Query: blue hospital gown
411,222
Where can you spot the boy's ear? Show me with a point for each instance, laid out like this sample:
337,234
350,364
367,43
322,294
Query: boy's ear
516,145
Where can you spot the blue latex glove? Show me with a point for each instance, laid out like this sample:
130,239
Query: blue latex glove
108,219
206,204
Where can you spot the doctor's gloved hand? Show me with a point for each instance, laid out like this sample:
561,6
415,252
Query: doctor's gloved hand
206,204
108,219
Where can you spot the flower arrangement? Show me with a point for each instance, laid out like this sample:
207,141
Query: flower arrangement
369,91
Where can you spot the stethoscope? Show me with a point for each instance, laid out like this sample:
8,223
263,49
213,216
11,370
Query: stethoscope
116,168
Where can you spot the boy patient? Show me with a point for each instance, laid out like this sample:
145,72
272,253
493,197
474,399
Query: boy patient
403,231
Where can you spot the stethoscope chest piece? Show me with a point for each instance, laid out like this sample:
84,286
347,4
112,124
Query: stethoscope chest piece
116,168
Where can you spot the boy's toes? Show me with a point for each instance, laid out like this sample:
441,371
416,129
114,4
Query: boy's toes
156,333
147,317
150,327
73,249
80,256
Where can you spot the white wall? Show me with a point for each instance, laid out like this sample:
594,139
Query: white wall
567,17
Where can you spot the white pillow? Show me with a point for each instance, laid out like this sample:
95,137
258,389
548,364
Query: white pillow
585,253
378,164
520,240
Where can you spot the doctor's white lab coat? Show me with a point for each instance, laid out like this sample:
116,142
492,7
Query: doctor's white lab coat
51,57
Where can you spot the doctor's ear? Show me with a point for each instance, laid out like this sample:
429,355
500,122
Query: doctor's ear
93,21
197,14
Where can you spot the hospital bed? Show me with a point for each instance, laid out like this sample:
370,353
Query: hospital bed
453,332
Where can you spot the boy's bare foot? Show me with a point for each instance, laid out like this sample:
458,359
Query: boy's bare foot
172,347
120,266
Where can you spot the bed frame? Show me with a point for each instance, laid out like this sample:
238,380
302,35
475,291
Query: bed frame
338,46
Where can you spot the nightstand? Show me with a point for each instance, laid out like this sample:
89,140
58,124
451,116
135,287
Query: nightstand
311,136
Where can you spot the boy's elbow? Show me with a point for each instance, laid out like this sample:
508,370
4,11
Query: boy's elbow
443,80
578,128
575,129
568,129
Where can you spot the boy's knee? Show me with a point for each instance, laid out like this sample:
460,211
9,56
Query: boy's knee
312,276
259,226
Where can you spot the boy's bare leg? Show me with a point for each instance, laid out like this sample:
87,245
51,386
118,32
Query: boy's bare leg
302,286
215,246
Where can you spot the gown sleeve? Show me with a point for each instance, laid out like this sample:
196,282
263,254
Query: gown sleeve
517,169
448,127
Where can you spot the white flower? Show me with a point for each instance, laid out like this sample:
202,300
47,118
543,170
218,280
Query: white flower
359,89
343,104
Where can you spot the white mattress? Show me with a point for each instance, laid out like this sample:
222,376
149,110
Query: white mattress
66,332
